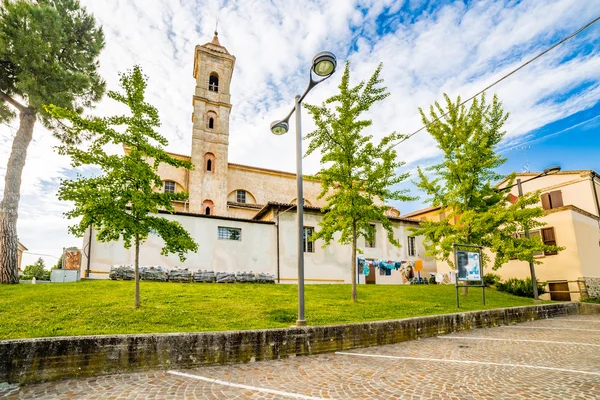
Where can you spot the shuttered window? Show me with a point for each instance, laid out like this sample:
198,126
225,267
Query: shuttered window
411,246
552,200
549,239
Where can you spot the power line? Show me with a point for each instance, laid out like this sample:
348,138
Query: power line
39,254
544,137
578,31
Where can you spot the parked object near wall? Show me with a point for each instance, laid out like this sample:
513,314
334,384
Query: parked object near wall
181,275
124,272
205,276
64,275
154,273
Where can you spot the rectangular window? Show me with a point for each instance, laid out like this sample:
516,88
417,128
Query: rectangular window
549,239
552,200
307,244
371,244
536,234
169,187
241,196
229,234
412,251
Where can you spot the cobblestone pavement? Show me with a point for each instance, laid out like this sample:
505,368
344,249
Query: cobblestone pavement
548,359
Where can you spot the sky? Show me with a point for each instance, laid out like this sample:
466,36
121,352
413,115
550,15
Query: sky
427,48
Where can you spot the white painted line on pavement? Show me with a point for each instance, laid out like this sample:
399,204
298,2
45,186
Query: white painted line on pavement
551,327
237,385
574,320
471,362
519,340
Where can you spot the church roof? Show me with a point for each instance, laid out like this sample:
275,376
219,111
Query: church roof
214,45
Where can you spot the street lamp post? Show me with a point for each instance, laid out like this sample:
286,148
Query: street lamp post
323,66
547,171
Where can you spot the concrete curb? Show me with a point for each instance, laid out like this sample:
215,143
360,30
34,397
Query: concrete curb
44,359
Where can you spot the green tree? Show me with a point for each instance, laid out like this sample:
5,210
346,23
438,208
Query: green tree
357,175
37,271
475,211
48,55
123,202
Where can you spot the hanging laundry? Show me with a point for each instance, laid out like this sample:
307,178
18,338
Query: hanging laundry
366,269
387,264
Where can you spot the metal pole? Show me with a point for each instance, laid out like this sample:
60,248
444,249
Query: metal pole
300,211
531,265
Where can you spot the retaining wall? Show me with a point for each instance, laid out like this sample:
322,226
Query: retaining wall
36,360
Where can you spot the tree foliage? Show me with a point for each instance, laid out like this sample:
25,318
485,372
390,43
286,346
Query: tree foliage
48,55
37,270
476,212
357,175
123,202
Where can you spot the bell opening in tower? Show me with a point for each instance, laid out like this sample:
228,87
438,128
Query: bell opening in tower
213,82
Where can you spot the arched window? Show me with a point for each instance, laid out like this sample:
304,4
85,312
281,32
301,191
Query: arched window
213,82
209,162
207,207
211,123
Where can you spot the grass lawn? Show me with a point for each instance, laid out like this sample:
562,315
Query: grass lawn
106,307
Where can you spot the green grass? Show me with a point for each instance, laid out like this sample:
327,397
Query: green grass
106,307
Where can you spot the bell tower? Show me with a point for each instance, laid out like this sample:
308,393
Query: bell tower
213,68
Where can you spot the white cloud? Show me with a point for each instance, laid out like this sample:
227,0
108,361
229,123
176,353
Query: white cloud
456,48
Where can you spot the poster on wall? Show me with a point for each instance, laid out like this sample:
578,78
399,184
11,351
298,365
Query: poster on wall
468,265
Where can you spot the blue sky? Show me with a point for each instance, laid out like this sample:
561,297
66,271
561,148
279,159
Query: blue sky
428,48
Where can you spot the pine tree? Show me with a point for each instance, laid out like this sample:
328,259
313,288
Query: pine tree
476,212
48,55
123,202
357,175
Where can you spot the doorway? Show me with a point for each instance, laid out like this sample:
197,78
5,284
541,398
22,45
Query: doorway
370,279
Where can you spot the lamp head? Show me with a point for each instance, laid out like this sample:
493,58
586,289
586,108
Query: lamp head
279,127
324,64
552,170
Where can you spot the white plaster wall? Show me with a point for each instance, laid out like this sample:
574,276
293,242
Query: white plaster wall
255,252
333,263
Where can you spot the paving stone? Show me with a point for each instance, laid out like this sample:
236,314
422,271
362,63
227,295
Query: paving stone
336,376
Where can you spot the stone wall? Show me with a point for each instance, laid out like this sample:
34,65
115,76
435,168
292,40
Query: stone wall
36,360
593,287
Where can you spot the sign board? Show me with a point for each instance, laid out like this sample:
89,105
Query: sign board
468,264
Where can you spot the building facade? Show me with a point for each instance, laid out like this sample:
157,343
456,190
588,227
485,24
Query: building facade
571,201
243,217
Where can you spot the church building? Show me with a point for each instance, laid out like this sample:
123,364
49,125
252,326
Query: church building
244,217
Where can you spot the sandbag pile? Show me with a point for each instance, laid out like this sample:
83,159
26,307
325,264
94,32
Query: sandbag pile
124,272
181,275
263,277
159,274
225,277
205,276
245,277
154,273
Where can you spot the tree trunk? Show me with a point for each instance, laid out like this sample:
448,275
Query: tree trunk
137,270
354,296
9,206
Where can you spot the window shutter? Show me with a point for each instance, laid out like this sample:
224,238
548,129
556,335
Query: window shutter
549,240
556,199
546,201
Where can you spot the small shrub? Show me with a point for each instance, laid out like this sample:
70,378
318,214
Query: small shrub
519,287
491,279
